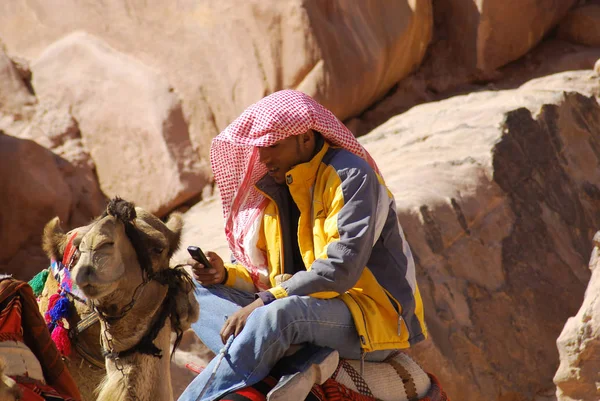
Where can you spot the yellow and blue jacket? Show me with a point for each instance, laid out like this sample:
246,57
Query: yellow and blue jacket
351,244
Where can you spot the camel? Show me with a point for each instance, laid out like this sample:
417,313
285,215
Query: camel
123,270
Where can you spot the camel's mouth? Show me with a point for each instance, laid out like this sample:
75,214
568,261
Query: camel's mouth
95,291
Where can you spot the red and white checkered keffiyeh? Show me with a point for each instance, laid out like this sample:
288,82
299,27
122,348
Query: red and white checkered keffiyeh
236,166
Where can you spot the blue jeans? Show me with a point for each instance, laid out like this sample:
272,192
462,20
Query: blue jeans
269,331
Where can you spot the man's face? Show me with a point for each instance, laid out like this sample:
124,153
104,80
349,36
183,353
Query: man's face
280,157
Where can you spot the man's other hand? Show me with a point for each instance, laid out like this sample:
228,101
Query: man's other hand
205,276
236,322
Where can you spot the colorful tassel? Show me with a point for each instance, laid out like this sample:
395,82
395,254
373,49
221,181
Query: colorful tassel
60,336
51,302
38,282
60,309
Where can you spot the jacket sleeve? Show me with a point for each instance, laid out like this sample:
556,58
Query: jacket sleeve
351,210
239,277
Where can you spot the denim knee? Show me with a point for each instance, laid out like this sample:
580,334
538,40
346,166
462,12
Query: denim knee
279,314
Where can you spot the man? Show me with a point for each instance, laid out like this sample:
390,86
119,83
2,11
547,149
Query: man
320,258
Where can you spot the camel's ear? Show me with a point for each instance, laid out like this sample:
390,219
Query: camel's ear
175,226
54,240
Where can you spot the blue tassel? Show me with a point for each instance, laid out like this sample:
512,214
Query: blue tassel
60,309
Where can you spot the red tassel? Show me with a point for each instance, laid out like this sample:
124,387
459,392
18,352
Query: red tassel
60,336
51,302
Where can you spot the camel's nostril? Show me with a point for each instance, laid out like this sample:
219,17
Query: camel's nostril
83,275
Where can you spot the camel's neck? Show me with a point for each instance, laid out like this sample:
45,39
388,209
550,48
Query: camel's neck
140,377
127,331
146,376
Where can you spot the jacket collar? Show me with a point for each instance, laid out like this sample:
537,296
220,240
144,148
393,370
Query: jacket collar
301,176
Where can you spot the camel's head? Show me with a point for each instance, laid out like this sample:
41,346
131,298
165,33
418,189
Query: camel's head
117,249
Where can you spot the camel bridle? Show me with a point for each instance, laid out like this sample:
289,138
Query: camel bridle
175,278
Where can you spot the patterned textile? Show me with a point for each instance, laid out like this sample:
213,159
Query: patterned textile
435,393
335,391
361,385
10,319
398,378
35,391
331,390
259,391
61,270
236,166
33,332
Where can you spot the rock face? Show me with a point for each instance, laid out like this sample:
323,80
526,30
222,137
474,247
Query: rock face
498,194
14,93
32,191
221,56
130,121
474,38
579,343
582,25
38,184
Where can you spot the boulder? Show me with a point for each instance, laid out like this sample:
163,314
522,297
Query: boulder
15,96
579,343
54,128
581,25
129,117
499,196
32,191
222,56
472,39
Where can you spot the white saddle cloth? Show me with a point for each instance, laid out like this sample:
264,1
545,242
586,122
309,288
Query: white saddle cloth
397,379
20,360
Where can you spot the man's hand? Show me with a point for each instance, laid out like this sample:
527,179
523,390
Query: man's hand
236,322
214,275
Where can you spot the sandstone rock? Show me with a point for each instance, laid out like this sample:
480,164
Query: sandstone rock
582,25
221,56
32,191
498,194
55,129
433,84
14,93
506,30
474,38
203,227
130,121
579,343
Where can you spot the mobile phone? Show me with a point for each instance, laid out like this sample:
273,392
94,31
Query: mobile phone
199,256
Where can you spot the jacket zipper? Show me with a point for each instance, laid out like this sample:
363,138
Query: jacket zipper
362,338
281,251
396,308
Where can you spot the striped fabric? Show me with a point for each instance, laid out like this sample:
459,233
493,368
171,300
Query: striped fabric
25,323
333,390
